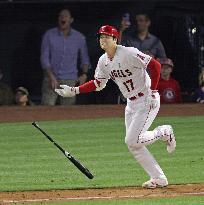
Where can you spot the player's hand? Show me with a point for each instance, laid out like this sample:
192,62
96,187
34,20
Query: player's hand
152,100
67,91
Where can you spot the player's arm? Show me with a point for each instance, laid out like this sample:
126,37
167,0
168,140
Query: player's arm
97,84
90,86
145,61
154,67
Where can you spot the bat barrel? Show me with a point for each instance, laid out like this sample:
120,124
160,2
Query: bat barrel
82,168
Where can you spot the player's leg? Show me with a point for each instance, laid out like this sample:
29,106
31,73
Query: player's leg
49,97
165,133
140,152
138,123
150,165
137,133
142,118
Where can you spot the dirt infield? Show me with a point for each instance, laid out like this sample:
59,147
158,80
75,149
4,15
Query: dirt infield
101,194
39,113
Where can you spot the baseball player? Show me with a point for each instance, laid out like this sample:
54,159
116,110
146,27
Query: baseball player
126,66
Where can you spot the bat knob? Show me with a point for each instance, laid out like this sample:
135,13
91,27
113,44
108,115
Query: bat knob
35,124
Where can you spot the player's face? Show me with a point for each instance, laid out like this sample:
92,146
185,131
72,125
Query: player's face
106,41
64,19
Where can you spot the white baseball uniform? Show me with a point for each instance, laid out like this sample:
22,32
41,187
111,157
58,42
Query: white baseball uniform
128,70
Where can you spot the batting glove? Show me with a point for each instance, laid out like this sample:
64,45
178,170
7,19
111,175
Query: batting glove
67,91
152,100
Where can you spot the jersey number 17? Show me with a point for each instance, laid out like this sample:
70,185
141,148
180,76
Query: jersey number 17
129,85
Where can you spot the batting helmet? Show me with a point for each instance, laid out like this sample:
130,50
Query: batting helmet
108,30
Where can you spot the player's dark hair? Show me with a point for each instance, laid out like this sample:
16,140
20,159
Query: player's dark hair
98,37
115,38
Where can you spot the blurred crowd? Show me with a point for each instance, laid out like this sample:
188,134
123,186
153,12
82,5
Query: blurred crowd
65,60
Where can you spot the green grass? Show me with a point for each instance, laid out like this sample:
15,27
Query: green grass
30,162
162,201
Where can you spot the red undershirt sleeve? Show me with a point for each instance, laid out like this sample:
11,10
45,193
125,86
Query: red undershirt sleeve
154,67
87,87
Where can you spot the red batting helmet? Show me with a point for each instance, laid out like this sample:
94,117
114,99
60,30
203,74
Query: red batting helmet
108,30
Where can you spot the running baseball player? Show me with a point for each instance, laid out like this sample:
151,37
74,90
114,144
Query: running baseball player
126,66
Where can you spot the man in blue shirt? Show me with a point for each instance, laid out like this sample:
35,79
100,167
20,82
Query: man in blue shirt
60,49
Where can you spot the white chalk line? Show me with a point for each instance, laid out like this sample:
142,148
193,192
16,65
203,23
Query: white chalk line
100,197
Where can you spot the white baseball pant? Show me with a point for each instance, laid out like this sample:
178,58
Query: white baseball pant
138,119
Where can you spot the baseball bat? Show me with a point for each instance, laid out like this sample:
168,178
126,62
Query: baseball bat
81,167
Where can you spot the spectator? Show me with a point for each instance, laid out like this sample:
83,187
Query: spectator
169,88
124,25
22,97
201,77
199,94
60,49
139,37
6,94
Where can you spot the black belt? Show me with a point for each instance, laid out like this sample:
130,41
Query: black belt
138,96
